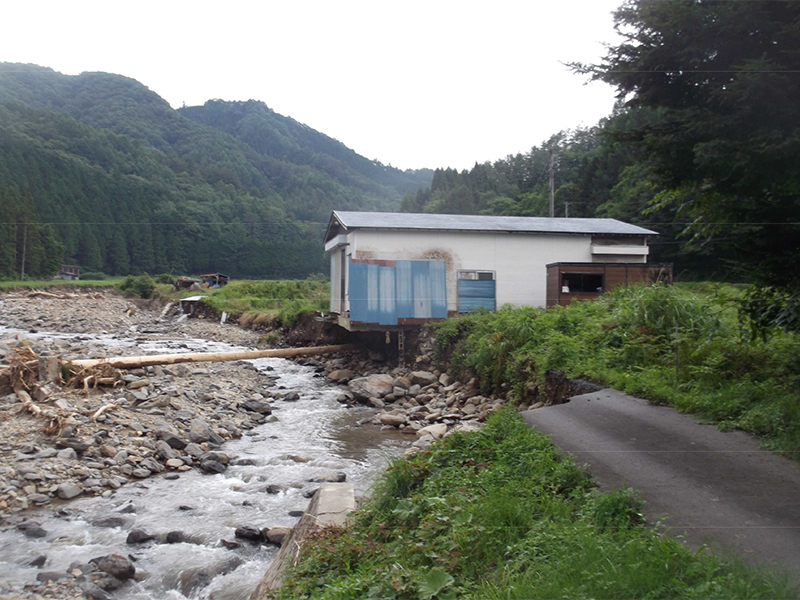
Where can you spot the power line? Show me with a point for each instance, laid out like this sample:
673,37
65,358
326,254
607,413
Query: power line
293,224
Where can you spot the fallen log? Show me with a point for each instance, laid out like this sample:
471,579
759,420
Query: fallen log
132,362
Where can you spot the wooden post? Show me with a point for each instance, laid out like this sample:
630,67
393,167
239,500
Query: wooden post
24,250
552,184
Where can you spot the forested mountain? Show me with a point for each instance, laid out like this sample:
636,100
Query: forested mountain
597,172
128,184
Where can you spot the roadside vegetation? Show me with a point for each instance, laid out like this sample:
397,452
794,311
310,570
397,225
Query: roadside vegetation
499,513
682,345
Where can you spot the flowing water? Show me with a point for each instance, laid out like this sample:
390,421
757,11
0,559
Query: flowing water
207,508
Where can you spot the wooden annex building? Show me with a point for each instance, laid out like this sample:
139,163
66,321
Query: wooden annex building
585,281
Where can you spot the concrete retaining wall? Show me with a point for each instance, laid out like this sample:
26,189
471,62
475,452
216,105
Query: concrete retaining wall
330,507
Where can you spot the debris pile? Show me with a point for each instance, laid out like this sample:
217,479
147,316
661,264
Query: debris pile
105,427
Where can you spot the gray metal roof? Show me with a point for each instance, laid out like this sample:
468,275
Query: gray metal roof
378,220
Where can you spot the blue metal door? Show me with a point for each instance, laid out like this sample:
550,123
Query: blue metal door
382,292
476,293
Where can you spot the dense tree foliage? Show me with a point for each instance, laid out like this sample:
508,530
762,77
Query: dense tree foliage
722,78
130,185
597,172
26,247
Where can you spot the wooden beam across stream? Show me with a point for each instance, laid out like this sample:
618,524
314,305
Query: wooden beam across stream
131,362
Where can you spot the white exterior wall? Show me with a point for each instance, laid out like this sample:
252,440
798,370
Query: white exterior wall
518,260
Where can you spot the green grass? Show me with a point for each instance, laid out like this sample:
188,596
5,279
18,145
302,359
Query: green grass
259,301
45,283
669,344
500,514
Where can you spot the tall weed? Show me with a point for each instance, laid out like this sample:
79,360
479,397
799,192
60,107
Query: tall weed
664,343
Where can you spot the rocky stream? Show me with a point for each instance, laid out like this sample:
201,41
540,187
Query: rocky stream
180,481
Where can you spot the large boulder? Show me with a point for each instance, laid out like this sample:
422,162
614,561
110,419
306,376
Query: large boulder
67,491
372,386
199,431
340,375
423,378
390,419
435,431
115,565
276,535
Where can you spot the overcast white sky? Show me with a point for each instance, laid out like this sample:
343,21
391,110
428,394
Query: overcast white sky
413,84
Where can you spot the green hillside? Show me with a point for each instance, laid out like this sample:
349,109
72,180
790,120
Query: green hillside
104,167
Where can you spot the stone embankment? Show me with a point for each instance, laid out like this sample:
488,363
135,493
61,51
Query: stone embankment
418,400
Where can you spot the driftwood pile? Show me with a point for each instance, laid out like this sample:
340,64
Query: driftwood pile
35,379
29,374
62,296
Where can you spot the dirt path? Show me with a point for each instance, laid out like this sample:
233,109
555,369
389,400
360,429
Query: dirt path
714,487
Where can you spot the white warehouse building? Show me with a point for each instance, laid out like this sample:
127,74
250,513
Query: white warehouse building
394,269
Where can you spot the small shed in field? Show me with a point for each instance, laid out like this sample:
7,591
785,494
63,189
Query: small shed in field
69,272
390,270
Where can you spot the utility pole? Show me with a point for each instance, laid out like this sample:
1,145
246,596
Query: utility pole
24,250
552,183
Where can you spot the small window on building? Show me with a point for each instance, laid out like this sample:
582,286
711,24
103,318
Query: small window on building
581,283
477,275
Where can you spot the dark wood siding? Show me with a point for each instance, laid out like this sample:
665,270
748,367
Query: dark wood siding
553,286
614,276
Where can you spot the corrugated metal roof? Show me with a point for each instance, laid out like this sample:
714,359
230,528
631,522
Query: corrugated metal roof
378,220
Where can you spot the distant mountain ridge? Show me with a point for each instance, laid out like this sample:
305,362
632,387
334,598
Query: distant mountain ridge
241,187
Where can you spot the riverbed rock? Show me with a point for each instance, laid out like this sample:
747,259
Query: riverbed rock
37,561
165,451
109,522
257,407
212,466
199,431
291,397
332,477
194,450
276,535
171,438
436,431
423,378
199,577
392,419
402,382
67,491
67,454
35,531
139,536
247,532
46,576
340,375
175,537
93,591
115,565
372,386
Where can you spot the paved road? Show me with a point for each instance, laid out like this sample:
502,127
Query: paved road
717,488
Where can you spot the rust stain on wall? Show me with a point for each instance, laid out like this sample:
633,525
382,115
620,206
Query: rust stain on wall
439,255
